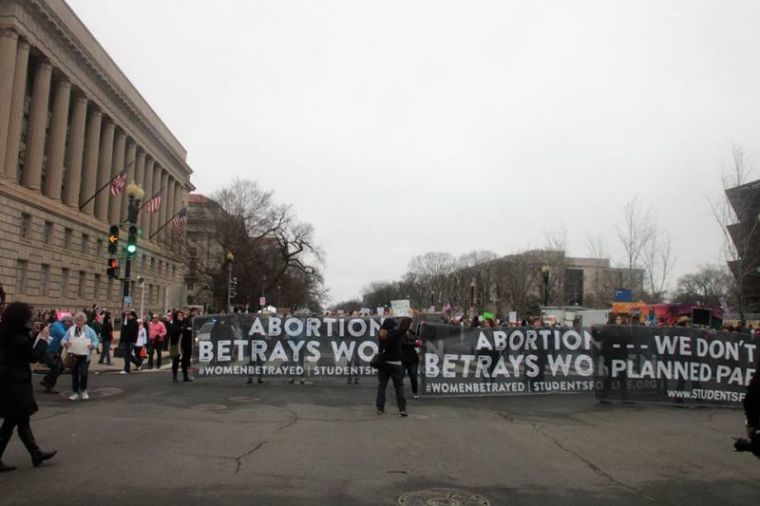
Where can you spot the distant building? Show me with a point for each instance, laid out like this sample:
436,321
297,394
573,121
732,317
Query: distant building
745,234
70,120
203,253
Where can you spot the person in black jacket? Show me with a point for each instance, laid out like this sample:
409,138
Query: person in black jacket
389,341
106,337
752,411
180,333
128,339
17,351
410,358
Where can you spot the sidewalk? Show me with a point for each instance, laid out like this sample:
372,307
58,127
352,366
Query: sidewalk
117,364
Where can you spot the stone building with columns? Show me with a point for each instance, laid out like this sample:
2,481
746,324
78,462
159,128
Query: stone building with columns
69,121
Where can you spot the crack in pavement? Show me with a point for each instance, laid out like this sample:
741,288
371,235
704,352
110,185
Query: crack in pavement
598,471
64,412
250,452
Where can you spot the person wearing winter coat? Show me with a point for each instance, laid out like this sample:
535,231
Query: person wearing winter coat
180,333
80,341
129,331
17,351
106,335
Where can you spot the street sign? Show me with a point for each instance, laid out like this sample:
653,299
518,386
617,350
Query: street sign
127,300
262,301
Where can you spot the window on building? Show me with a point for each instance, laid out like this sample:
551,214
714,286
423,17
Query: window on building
160,265
47,237
21,268
190,287
64,282
109,287
25,226
80,286
96,289
85,240
44,279
99,248
67,238
152,264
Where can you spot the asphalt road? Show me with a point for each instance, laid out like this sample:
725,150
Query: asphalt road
144,440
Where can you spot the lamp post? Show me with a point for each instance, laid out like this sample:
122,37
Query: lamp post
230,258
135,194
432,299
472,294
545,277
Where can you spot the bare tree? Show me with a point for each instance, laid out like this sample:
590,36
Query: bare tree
658,260
635,234
709,285
598,247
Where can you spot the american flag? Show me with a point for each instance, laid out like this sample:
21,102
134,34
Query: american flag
179,220
154,203
118,182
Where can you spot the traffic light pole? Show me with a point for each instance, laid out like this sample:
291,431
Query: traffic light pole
229,286
131,248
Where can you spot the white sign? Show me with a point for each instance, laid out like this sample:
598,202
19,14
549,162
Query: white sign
513,317
79,346
262,301
401,307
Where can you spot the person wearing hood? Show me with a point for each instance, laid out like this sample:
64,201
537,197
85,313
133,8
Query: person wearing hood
17,351
389,349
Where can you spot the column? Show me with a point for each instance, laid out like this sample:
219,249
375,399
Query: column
17,112
129,163
76,150
145,218
164,211
90,163
114,213
154,217
179,203
104,170
35,130
8,54
58,132
140,171
167,231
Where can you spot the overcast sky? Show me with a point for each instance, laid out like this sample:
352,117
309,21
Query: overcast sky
399,127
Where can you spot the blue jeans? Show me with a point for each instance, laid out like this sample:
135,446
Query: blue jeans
105,356
385,373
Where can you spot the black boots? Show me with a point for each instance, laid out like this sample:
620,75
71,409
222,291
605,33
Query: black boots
3,444
38,456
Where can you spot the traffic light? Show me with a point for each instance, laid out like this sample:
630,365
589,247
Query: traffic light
233,288
113,268
132,240
113,240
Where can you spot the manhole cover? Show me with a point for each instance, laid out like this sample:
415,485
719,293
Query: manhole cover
243,398
442,497
209,407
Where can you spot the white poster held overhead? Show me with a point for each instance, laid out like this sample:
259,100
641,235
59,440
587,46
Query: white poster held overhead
401,307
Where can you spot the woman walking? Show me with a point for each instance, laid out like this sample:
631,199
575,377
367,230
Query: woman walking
80,340
389,341
180,334
106,332
17,404
411,358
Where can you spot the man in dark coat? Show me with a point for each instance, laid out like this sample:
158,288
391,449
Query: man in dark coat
128,338
17,351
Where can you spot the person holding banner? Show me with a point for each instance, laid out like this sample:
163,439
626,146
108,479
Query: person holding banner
411,359
389,349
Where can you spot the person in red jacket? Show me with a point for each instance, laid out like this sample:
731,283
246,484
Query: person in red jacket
156,336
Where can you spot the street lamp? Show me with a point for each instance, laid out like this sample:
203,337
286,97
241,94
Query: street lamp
134,194
432,298
230,259
545,276
472,293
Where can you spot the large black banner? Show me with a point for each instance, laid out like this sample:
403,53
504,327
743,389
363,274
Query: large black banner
623,363
506,361
245,344
674,365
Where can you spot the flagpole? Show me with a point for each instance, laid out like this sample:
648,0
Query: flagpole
145,203
164,225
105,185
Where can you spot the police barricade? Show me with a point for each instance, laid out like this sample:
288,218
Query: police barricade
624,363
243,344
